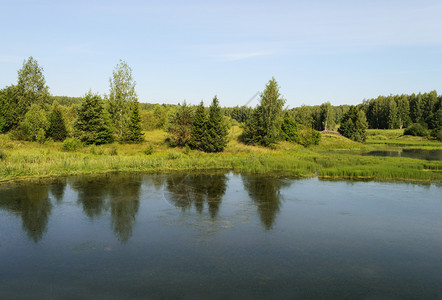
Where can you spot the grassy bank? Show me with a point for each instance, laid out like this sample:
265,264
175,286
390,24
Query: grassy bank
335,157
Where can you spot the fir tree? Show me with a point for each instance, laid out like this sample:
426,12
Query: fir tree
57,127
134,134
91,126
354,125
215,139
199,129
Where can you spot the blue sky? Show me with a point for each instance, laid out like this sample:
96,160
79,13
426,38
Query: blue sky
337,51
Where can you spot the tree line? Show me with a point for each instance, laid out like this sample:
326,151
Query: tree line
29,112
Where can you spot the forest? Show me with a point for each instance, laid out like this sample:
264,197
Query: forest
29,112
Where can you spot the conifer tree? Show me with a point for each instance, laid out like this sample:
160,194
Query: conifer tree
91,126
134,134
57,127
215,139
354,125
199,129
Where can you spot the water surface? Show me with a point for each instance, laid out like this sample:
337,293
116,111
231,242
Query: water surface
435,154
219,236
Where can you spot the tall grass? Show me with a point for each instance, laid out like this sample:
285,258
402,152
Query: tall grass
23,159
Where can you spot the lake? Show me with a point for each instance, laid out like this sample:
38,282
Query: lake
219,236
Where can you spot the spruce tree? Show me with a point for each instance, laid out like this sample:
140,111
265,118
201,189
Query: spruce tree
215,139
199,129
57,127
134,134
91,126
354,125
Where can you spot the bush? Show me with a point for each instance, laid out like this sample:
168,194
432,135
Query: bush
437,133
309,137
71,144
148,150
416,129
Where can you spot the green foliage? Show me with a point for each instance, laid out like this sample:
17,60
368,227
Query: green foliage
71,144
436,133
199,128
417,129
289,129
180,126
31,86
309,137
149,150
399,111
354,125
35,122
215,138
8,108
122,93
91,126
264,126
134,134
57,127
41,136
326,116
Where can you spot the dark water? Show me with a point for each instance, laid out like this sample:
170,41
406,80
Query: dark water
410,153
219,236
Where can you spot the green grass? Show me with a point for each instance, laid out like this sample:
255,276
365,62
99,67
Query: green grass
335,157
396,138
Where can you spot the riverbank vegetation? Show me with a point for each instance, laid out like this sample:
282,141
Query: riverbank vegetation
44,135
335,157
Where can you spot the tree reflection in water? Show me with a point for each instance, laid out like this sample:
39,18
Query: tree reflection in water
197,189
265,193
124,195
119,192
92,192
30,201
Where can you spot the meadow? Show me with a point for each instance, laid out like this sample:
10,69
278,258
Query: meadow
335,157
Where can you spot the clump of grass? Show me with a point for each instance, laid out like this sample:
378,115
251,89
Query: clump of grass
113,150
2,155
71,144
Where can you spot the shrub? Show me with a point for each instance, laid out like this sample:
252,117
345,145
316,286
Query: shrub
309,137
416,129
148,150
437,133
71,144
